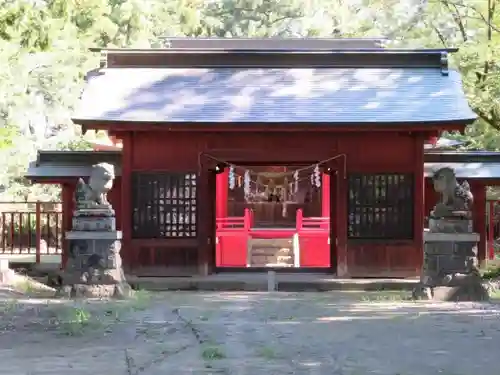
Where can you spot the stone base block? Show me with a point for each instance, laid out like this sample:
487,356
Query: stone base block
93,223
96,291
450,225
6,277
94,211
471,292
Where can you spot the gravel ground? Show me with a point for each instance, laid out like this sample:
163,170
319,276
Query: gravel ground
249,333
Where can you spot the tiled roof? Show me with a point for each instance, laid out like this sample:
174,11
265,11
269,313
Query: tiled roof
61,171
299,95
79,163
463,170
438,156
466,170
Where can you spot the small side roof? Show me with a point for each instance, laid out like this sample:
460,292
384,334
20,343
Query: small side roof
438,156
73,164
486,171
467,164
53,165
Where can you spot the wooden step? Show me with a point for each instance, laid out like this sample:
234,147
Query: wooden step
271,251
273,242
267,257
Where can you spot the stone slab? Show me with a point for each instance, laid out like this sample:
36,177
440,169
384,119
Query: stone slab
258,282
462,293
90,235
100,211
4,265
451,237
450,225
94,291
89,223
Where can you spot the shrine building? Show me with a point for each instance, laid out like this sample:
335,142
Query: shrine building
296,155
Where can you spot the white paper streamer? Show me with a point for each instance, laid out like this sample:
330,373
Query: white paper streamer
232,178
296,181
246,183
317,176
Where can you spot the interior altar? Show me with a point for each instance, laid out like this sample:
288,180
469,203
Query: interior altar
274,194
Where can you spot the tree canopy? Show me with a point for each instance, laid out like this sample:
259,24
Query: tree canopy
44,45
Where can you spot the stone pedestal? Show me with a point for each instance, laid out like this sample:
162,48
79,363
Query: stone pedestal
450,270
450,225
94,267
6,274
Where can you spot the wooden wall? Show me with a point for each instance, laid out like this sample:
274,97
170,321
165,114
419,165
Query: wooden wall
378,153
371,152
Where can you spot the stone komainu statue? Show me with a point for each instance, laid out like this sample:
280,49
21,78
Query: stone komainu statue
456,199
100,183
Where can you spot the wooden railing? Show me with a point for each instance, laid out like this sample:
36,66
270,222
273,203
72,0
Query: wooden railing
236,223
311,240
311,223
246,222
32,228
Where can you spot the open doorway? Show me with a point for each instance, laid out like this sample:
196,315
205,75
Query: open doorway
274,194
275,218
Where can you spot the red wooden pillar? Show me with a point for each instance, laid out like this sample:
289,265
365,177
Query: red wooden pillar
67,214
479,218
491,231
325,195
419,214
341,220
205,216
130,255
38,230
221,194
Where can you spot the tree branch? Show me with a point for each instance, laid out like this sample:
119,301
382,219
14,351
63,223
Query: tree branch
491,119
481,17
456,17
439,34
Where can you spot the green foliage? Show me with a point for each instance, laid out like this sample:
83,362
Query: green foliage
45,54
7,135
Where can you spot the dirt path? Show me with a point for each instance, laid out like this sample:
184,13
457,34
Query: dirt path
250,333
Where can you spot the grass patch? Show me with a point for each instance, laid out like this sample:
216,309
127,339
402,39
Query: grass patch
492,271
212,353
9,306
267,353
141,300
74,321
69,317
32,288
387,296
495,295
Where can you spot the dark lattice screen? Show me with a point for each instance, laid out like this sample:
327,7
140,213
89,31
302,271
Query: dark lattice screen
380,206
164,205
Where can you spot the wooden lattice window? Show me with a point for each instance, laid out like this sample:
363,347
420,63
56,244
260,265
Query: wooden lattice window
164,205
380,206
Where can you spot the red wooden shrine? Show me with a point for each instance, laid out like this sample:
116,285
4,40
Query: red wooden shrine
185,117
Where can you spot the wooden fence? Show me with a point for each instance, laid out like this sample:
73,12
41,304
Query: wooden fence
31,228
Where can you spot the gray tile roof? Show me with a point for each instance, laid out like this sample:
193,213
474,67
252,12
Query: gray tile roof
61,170
466,170
274,95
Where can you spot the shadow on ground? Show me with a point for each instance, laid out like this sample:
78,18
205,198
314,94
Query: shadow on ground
247,333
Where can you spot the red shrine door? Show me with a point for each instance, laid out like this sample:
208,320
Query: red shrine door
267,217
